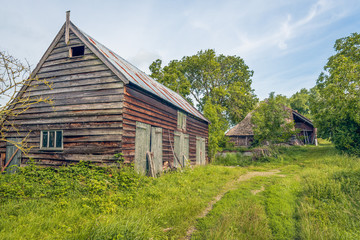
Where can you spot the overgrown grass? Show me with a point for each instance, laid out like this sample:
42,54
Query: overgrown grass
318,198
88,202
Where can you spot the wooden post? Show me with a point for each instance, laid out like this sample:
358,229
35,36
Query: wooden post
2,160
67,25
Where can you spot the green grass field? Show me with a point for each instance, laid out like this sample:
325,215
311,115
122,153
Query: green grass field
315,196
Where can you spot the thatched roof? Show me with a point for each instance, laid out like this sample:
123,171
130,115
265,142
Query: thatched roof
243,128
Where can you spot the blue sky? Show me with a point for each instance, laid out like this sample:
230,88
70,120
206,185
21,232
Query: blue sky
285,42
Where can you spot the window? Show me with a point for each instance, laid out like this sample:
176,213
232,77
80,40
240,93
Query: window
181,121
76,51
51,140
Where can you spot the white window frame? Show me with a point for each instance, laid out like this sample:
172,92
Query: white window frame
52,148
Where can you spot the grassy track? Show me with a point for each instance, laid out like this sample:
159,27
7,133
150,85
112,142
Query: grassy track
316,196
319,198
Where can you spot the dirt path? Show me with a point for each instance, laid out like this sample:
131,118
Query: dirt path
228,187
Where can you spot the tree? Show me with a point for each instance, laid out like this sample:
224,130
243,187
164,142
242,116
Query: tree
337,108
300,101
218,85
225,80
15,81
271,120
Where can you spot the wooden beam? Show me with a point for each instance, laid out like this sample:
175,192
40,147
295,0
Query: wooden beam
67,25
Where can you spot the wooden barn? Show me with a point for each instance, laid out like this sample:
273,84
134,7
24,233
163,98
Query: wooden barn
104,105
243,135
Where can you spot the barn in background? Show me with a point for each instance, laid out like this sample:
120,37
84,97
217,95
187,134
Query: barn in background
103,105
243,135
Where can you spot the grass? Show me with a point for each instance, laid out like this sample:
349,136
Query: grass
87,202
316,196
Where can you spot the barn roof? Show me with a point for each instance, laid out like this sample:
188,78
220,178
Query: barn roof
245,127
135,76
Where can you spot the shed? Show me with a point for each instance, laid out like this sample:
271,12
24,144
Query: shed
104,105
242,134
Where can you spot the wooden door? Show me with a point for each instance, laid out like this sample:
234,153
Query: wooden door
142,146
200,151
203,151
177,148
156,148
185,156
181,149
13,155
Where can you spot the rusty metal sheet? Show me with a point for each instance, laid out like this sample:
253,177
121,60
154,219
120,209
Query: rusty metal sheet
139,78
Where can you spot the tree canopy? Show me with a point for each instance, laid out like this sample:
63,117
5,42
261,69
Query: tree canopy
271,121
218,85
337,106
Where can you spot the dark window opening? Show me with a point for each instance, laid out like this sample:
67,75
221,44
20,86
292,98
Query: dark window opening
77,51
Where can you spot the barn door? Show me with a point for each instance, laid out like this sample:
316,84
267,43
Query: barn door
203,151
181,149
13,155
156,148
177,148
148,140
186,150
200,151
142,146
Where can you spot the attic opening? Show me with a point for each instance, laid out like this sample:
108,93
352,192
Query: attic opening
77,51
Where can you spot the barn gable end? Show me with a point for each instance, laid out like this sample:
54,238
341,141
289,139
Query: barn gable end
100,101
88,105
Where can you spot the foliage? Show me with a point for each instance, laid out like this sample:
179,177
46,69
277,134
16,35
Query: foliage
16,84
217,128
224,80
89,202
337,108
272,122
219,85
300,101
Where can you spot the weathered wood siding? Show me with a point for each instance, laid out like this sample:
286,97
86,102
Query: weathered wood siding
88,106
143,107
241,140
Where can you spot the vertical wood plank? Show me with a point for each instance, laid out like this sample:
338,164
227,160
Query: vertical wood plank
156,148
203,151
186,150
142,145
198,151
177,148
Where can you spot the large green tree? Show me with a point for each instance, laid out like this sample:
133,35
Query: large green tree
337,107
300,101
271,120
218,85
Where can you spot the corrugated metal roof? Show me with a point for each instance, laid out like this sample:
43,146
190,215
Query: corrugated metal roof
139,78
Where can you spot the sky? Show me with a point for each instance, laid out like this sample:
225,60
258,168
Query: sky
285,42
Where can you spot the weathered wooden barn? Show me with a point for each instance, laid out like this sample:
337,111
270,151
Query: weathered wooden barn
104,105
242,134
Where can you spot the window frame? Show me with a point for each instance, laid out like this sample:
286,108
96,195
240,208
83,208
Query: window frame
48,140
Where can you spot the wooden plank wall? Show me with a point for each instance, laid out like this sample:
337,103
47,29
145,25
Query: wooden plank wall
141,106
88,105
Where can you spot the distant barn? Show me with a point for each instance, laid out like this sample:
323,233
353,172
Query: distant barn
243,135
104,105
